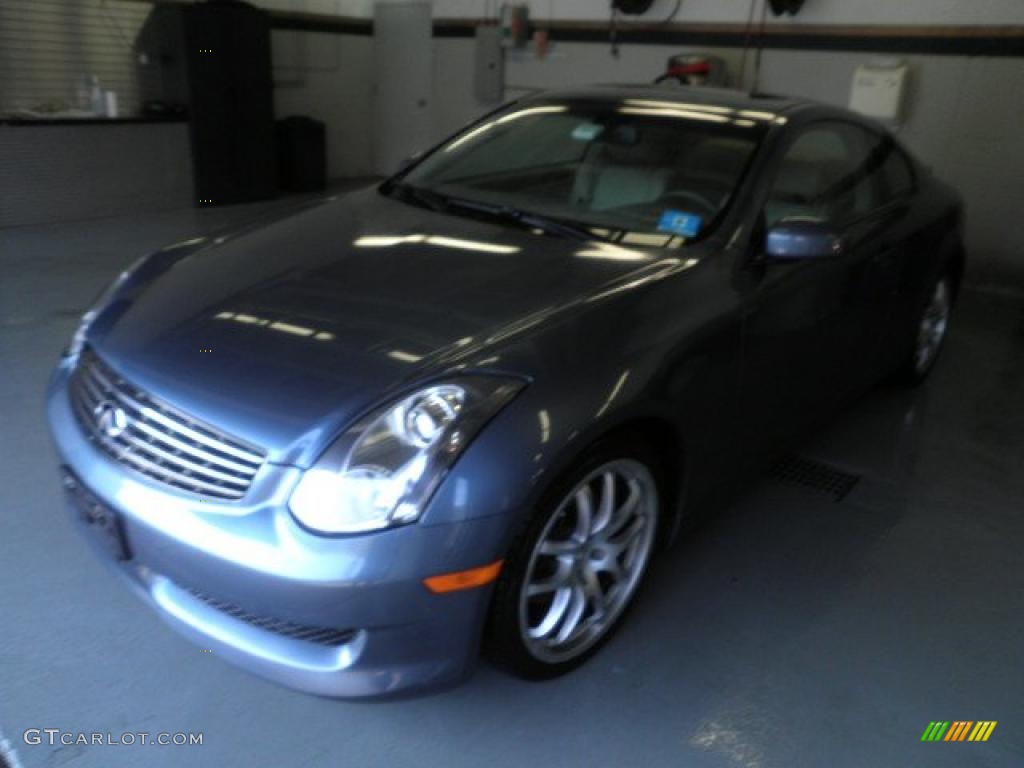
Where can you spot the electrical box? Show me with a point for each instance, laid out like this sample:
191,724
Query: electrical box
489,73
878,90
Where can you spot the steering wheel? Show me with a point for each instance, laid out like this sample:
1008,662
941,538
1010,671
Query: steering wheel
695,198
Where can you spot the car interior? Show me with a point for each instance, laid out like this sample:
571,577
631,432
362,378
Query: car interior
629,174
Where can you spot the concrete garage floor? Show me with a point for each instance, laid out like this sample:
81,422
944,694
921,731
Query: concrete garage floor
792,630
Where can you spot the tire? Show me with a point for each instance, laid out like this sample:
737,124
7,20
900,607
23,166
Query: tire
584,559
930,331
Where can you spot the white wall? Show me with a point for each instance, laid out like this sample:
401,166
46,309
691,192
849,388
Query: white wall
814,12
730,11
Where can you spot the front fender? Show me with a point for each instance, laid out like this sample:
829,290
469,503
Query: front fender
666,353
546,429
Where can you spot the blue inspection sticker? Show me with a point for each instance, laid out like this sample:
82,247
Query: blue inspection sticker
680,223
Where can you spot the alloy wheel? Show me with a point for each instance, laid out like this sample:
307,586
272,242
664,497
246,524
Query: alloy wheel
932,329
588,561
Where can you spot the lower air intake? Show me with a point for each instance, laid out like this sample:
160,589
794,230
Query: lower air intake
318,635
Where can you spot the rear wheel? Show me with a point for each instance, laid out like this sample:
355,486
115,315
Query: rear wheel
575,570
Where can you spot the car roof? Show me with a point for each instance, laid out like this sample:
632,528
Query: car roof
681,94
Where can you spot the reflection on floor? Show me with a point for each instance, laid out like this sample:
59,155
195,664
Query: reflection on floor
792,630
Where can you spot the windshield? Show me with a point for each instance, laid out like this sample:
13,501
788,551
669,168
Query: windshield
643,171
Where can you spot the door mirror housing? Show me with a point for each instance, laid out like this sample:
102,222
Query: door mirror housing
795,239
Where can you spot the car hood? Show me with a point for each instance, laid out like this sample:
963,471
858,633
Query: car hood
285,333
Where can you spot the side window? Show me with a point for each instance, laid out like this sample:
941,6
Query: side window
826,174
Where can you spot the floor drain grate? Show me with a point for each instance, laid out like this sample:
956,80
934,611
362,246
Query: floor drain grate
816,475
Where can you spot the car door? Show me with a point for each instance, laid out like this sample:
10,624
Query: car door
903,246
812,326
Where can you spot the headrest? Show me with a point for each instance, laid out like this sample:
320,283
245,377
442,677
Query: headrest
617,186
799,180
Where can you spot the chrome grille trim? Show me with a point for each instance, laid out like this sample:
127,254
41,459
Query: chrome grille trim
160,441
191,450
163,414
310,634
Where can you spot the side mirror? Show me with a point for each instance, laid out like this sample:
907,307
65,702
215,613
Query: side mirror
793,239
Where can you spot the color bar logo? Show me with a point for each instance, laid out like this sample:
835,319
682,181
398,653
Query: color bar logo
959,730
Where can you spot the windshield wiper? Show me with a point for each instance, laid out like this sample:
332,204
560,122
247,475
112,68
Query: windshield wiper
557,227
426,198
525,218
436,201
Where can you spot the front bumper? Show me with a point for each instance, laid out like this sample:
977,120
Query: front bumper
243,579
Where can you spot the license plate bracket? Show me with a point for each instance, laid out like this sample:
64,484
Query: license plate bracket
102,524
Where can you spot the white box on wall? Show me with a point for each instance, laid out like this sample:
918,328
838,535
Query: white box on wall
878,90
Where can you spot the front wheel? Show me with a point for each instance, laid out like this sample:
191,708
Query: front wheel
932,327
571,575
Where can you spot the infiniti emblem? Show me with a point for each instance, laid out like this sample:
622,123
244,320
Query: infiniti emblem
111,419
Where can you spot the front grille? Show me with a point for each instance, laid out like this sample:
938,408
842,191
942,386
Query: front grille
319,635
159,441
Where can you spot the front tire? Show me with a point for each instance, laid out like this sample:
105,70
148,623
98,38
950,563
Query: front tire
931,330
574,571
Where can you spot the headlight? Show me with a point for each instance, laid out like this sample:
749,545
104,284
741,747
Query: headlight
384,469
77,342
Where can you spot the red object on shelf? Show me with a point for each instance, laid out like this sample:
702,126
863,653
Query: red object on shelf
695,68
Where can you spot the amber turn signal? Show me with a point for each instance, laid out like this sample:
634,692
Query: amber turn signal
474,577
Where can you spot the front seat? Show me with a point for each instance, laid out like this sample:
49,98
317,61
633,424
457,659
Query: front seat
796,192
620,176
